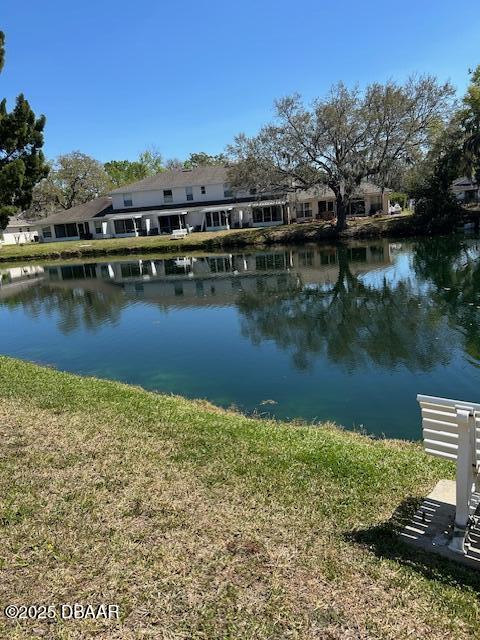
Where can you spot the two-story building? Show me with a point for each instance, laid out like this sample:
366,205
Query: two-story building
198,199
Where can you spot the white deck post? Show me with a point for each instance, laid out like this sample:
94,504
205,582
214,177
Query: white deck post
464,480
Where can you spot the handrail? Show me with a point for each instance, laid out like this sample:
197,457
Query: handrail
449,402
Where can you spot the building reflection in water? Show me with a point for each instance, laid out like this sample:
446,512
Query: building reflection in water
219,279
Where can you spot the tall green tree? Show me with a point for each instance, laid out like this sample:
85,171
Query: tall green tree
124,172
430,181
470,117
22,163
152,160
342,139
453,151
74,179
202,159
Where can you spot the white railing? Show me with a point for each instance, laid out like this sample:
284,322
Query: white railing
451,430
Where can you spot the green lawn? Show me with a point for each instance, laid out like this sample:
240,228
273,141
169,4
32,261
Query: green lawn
205,524
114,246
207,241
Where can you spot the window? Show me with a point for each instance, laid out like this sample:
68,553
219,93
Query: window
133,269
53,273
66,230
227,191
174,269
98,227
167,196
47,232
305,258
271,261
328,257
267,214
325,205
216,219
219,265
127,200
203,190
357,208
124,226
189,193
304,210
78,272
375,206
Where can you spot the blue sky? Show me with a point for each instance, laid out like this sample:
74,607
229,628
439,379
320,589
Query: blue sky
114,77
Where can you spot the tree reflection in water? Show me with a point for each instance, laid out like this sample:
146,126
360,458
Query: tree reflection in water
76,307
452,267
354,323
322,307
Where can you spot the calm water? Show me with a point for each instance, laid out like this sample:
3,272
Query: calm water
347,333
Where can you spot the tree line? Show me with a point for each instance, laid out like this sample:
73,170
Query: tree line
415,136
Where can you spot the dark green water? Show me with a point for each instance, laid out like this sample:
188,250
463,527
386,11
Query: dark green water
318,332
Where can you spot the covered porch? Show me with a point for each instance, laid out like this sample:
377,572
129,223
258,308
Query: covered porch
268,213
68,231
216,218
168,222
130,226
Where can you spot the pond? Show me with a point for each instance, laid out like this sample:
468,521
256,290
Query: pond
349,333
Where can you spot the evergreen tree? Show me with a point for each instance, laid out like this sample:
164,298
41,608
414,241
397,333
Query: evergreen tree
470,116
22,163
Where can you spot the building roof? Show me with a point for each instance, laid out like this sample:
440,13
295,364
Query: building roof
14,222
94,209
465,183
212,174
365,188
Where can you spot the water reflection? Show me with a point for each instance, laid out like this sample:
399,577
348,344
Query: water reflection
352,304
351,321
452,267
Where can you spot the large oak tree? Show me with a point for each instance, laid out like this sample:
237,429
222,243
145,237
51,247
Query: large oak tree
74,178
342,139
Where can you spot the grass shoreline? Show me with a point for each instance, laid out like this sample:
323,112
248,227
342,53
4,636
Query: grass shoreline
398,226
206,524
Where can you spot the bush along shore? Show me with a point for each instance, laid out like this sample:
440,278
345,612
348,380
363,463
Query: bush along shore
401,226
202,523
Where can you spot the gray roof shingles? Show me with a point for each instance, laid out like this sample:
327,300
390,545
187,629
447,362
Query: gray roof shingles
94,209
214,174
17,223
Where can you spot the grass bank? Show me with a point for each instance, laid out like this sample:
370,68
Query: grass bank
398,226
205,524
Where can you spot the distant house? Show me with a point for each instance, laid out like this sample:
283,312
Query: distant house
19,232
199,199
466,191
